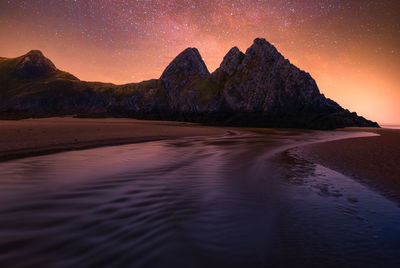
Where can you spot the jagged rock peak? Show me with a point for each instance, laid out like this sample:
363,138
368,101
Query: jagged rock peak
34,64
189,62
262,42
263,48
232,60
185,68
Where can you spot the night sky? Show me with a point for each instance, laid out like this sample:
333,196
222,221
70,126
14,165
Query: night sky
351,48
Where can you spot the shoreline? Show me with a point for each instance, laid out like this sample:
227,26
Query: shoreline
43,136
35,137
373,161
370,159
26,153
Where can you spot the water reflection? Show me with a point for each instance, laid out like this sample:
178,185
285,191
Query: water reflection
217,202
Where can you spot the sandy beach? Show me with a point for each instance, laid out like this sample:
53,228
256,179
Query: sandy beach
236,191
375,160
31,137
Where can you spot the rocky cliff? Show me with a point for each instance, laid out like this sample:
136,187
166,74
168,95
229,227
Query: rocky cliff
256,88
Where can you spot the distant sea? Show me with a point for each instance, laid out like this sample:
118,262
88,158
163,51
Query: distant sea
391,126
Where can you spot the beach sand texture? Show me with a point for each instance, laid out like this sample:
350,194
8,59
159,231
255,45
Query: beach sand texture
374,159
42,136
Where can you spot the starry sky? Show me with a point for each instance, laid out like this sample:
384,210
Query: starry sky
351,48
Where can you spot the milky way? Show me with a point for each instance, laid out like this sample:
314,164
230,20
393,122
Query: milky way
351,48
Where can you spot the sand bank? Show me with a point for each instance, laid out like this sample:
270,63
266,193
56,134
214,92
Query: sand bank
375,160
43,136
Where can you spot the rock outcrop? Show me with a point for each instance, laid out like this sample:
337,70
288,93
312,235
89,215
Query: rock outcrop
257,88
232,60
265,82
186,68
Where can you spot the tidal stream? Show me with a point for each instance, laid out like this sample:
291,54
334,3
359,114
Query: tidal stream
239,200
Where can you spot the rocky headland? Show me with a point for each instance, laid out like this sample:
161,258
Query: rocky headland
257,88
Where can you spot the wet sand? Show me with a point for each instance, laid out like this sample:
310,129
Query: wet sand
211,201
375,160
223,197
32,137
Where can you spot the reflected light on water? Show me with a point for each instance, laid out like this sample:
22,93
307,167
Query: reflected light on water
221,201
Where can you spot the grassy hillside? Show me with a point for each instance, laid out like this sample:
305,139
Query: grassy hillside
60,81
55,92
7,80
13,85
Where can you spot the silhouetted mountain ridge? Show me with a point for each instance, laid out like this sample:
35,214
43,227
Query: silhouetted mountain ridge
257,88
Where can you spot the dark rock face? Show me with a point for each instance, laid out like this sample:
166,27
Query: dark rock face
266,82
187,67
232,60
34,64
259,88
